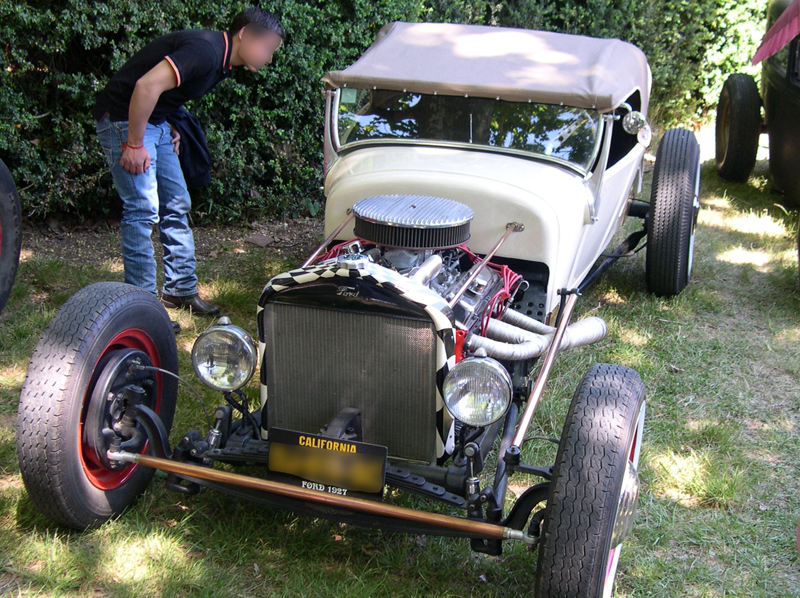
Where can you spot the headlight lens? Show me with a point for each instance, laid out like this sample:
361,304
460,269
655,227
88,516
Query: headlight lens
477,391
224,357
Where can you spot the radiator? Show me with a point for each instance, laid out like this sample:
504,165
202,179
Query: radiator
320,361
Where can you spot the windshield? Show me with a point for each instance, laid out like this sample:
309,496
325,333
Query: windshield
559,132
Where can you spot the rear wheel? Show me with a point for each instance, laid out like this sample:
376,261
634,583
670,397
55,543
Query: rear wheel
738,128
593,495
74,398
674,205
10,233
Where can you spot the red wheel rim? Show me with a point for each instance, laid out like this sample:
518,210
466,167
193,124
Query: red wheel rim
96,473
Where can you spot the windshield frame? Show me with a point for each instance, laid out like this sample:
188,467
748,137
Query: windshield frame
353,145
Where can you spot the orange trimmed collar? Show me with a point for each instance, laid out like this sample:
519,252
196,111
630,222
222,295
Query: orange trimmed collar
226,59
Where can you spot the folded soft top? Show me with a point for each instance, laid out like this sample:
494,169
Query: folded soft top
517,65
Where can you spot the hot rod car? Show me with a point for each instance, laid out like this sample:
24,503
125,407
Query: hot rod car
474,176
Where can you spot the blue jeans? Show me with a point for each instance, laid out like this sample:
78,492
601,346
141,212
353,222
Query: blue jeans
156,196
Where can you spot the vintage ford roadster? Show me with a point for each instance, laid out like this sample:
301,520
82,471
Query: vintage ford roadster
474,176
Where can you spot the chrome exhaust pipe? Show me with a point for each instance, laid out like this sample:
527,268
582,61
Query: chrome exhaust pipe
510,342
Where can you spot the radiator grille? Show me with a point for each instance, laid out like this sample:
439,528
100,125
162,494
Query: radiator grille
320,361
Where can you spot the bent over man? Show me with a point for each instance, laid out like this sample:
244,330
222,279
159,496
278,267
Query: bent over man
142,151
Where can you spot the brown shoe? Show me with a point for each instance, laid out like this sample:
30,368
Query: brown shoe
190,302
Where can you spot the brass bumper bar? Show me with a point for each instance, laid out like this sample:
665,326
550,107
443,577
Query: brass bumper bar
479,528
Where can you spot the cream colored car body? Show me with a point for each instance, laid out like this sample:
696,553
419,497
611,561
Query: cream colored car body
570,212
551,201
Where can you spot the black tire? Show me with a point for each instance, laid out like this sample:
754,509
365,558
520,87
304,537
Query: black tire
10,233
62,474
674,205
738,128
602,433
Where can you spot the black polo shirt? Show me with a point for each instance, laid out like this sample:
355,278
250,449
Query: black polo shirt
201,59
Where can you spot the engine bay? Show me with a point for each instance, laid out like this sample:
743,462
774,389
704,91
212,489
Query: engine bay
424,239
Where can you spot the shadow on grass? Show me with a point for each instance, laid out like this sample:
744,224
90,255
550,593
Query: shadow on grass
756,194
716,464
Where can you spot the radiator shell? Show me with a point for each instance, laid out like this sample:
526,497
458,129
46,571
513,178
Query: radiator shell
334,336
325,360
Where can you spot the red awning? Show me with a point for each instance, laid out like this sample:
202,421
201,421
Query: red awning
784,30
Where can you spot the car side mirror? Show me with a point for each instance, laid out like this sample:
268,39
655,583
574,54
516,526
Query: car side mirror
635,123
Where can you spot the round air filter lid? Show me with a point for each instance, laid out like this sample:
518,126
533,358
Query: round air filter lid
412,221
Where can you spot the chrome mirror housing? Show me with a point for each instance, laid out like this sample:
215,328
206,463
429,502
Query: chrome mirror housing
635,123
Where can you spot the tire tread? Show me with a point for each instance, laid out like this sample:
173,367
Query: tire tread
45,398
736,161
583,491
671,218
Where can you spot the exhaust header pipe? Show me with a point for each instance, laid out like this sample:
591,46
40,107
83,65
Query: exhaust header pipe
519,337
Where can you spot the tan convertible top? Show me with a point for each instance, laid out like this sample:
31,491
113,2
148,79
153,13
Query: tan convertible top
517,65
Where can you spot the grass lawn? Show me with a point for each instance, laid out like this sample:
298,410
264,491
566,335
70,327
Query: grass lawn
720,464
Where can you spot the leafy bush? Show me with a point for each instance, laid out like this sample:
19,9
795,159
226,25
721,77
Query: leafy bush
265,130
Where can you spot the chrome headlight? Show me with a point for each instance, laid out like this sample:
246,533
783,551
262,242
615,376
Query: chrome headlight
477,391
224,357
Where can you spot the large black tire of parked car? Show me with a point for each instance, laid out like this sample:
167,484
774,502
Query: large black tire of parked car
10,233
672,219
738,128
602,433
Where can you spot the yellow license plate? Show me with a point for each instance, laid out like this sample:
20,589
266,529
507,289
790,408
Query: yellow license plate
341,464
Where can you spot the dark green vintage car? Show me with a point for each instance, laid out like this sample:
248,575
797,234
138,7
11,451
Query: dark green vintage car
741,120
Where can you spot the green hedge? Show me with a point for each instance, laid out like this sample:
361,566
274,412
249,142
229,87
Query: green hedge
265,130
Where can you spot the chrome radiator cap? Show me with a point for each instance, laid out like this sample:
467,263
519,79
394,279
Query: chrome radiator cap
412,221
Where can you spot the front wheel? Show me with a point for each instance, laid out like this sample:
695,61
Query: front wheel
592,500
10,233
674,205
99,348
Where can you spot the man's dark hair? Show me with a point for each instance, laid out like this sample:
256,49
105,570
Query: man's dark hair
257,18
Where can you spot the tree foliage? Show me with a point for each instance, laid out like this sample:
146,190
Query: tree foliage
265,130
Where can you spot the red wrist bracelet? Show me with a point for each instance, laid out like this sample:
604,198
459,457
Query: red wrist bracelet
127,145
